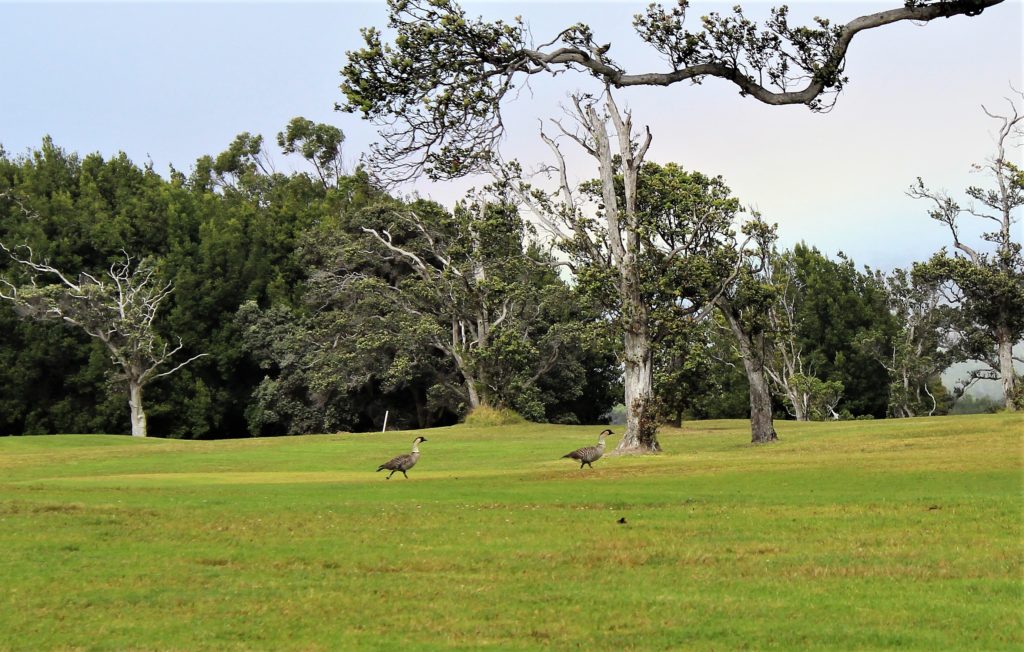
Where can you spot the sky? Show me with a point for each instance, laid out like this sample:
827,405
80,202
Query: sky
170,82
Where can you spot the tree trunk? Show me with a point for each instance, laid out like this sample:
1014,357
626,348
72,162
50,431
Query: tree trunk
138,414
423,417
908,410
641,413
474,395
1007,374
800,402
677,419
762,426
784,379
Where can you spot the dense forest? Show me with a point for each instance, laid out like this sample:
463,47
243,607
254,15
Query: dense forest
315,301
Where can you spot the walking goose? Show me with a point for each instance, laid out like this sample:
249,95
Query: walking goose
403,462
590,454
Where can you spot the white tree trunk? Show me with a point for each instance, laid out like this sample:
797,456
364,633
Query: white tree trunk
800,402
1007,374
784,382
638,378
138,414
908,410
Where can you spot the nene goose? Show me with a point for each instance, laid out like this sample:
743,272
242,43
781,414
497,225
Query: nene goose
589,454
403,462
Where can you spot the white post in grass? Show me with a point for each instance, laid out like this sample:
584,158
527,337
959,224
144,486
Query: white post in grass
385,428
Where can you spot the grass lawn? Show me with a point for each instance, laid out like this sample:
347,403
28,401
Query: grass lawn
850,535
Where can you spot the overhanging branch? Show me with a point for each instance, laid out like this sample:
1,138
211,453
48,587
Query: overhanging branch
438,90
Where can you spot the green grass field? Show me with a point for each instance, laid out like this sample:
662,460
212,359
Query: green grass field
850,535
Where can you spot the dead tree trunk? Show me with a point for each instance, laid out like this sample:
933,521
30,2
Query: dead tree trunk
138,413
1007,374
638,377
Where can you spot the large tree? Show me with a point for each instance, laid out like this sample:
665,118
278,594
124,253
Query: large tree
463,282
987,285
661,247
745,305
836,303
437,90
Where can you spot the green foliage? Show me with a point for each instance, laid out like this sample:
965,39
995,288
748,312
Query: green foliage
434,78
54,379
407,308
989,293
824,395
970,404
314,325
837,304
773,55
77,214
227,234
320,144
685,243
689,371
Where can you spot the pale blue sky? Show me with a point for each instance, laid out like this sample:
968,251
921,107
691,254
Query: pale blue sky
174,81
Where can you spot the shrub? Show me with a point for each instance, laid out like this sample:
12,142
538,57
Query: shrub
486,416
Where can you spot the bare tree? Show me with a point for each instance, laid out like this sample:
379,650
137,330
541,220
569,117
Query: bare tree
786,364
117,308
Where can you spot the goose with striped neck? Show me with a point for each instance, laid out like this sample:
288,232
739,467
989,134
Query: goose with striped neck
590,454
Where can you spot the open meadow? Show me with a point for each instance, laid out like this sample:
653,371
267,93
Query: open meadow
849,535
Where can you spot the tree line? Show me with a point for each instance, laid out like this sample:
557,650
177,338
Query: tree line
314,301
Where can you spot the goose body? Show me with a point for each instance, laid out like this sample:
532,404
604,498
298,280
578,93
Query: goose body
403,462
590,454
